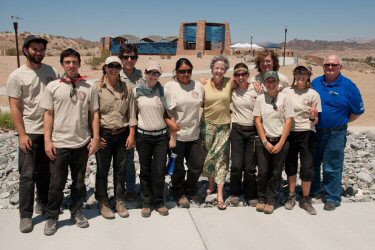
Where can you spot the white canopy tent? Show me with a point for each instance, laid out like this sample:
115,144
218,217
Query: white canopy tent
245,46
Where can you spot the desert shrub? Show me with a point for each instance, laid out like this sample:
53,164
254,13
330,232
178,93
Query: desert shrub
6,120
370,61
96,61
11,52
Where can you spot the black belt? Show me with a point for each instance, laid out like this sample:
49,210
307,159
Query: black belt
332,129
243,128
152,132
273,139
113,131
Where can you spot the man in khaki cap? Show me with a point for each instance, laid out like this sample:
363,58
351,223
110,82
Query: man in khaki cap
24,88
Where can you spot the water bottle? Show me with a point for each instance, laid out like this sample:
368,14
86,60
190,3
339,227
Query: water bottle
171,164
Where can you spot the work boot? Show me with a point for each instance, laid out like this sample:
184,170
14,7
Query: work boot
260,206
183,202
252,202
163,210
306,204
268,209
26,225
146,212
291,202
106,211
121,209
234,200
328,206
79,218
50,227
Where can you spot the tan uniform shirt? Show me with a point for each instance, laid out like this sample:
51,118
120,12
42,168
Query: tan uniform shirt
243,101
186,100
273,120
116,105
303,101
70,126
150,112
133,79
28,86
283,81
216,102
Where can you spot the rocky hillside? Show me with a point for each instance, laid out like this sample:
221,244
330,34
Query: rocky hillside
330,45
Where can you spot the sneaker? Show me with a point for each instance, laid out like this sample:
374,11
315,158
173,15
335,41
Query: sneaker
291,202
50,227
252,202
39,207
106,211
183,202
163,210
306,204
329,206
26,225
268,209
260,206
121,209
131,196
79,218
146,212
234,200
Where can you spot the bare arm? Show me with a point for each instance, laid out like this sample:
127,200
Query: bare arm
48,128
95,142
288,125
15,109
262,133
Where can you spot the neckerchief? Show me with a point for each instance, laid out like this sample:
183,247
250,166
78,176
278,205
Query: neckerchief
66,79
143,90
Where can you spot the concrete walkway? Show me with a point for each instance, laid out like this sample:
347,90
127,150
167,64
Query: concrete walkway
351,226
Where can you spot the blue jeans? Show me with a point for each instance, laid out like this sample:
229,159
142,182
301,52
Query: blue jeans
130,172
329,150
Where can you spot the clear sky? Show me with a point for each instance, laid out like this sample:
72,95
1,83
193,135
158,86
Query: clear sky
265,19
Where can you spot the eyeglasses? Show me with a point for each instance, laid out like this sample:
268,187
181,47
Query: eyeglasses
153,73
131,57
184,71
114,66
240,74
73,90
274,104
333,65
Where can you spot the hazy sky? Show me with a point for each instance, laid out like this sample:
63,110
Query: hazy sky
90,19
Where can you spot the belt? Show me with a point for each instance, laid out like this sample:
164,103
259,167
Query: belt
243,128
332,129
113,131
153,133
273,139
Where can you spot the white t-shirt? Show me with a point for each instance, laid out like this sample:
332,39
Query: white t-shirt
273,120
71,120
243,101
303,101
283,81
186,100
28,86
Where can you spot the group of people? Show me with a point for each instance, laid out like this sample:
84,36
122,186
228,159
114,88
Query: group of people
263,124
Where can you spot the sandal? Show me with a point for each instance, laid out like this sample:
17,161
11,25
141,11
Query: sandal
221,205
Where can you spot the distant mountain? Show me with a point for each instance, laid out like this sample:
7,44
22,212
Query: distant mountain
300,45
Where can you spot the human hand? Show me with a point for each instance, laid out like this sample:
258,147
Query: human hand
102,143
174,127
313,113
130,142
50,150
277,148
258,87
25,143
93,146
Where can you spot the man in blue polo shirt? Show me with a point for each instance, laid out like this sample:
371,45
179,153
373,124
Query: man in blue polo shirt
341,103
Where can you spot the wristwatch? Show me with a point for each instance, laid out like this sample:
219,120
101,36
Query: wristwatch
312,119
264,142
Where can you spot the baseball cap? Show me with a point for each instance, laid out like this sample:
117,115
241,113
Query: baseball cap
271,74
112,59
153,65
33,38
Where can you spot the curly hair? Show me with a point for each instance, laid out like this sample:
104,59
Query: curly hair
262,55
220,58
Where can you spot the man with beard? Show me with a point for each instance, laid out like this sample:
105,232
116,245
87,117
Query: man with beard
24,88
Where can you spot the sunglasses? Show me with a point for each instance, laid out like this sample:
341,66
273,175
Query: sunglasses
240,74
153,73
131,57
114,66
73,90
274,106
333,65
184,71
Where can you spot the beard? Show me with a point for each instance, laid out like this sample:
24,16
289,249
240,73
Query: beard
34,59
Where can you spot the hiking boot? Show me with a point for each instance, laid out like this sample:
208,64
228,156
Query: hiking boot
106,211
306,204
234,200
26,225
121,209
260,206
291,202
79,218
268,209
197,199
39,207
329,206
146,212
163,210
183,202
252,202
131,196
50,227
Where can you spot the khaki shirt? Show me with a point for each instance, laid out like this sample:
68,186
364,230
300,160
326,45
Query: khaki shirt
303,101
283,81
243,101
133,79
116,105
71,114
28,86
273,120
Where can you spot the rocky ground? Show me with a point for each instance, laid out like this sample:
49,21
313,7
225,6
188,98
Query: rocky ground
358,177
